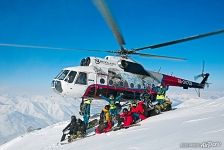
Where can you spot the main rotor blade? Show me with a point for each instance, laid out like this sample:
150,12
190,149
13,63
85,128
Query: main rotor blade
181,40
159,56
105,12
49,48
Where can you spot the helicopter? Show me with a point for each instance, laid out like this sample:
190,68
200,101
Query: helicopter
118,73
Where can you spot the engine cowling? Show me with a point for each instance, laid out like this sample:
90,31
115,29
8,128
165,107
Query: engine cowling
85,61
123,64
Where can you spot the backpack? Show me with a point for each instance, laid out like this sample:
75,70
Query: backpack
102,117
145,110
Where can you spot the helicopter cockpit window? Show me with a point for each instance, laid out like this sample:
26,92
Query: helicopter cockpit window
62,75
71,76
59,74
82,78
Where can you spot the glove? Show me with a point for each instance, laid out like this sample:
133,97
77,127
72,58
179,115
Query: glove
80,113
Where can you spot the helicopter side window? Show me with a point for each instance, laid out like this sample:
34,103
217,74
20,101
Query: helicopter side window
71,77
82,78
63,75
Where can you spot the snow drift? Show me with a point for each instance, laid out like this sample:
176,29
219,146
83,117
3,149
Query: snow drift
196,120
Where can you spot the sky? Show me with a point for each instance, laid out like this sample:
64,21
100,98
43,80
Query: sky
78,24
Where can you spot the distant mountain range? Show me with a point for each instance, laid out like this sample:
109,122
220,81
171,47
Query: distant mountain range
24,113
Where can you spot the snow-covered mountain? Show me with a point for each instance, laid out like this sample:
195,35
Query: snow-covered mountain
23,113
196,121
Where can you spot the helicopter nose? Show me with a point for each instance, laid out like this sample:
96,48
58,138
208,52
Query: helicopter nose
56,86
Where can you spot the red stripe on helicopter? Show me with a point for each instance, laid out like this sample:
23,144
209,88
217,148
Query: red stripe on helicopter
171,81
118,89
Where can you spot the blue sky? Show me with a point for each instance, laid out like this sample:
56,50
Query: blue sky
78,24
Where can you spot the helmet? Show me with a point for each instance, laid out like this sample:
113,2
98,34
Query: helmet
73,117
111,96
107,107
125,110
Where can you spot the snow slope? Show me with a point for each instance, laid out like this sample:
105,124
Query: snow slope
195,120
21,113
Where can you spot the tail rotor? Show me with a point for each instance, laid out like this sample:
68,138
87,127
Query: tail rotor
204,77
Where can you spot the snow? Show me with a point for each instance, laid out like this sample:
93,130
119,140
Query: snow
195,120
21,113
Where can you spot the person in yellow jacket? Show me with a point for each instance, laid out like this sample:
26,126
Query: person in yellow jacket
105,114
161,94
105,123
112,102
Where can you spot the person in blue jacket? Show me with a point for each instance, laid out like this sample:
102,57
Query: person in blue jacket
85,109
112,102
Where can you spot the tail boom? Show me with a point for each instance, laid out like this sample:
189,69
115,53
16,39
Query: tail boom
174,81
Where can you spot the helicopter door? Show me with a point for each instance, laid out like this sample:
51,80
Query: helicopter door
81,83
70,82
91,78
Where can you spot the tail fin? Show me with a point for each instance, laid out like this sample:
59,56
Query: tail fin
203,83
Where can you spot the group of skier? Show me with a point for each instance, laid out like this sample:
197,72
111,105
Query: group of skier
114,115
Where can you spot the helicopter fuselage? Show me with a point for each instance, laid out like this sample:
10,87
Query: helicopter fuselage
112,75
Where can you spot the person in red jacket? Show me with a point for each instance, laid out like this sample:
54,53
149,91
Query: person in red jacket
137,110
141,110
134,110
126,118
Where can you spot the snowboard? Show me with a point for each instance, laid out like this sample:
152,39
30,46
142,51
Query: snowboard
121,127
93,123
74,140
94,116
